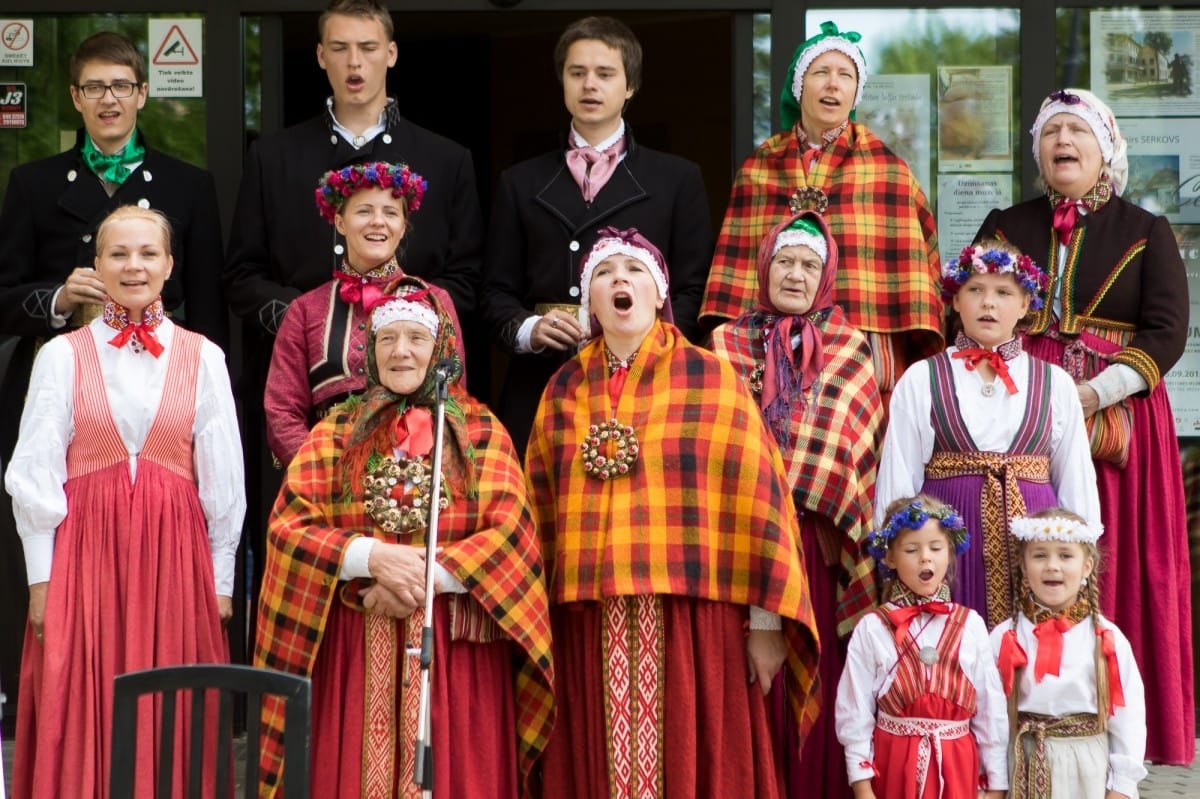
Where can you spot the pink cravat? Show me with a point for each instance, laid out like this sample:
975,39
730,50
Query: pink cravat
592,168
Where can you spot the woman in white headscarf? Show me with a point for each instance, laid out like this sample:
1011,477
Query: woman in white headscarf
1116,319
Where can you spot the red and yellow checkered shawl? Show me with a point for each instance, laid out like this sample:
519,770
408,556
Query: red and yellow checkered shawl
831,457
888,278
704,511
489,543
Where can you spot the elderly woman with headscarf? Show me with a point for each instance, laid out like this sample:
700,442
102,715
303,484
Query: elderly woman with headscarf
822,160
675,573
1116,320
344,590
811,373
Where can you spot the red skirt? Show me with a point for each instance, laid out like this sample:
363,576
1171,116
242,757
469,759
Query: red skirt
896,758
131,588
716,724
474,728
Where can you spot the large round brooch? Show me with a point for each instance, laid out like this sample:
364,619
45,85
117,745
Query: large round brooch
397,494
600,438
808,198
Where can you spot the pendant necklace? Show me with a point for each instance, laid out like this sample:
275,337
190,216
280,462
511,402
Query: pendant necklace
988,389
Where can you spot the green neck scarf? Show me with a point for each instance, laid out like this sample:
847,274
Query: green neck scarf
113,168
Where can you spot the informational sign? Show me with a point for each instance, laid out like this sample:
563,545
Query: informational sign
974,112
896,108
1183,381
16,42
13,102
1144,62
964,201
176,67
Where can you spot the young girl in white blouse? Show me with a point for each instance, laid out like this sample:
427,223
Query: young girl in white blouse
984,427
920,710
1075,693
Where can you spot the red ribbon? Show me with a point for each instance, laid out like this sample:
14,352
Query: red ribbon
973,355
901,617
1012,657
413,430
1108,648
616,382
1066,214
145,335
1050,646
358,289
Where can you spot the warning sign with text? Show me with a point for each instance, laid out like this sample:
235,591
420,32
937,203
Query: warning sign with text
16,42
13,102
176,63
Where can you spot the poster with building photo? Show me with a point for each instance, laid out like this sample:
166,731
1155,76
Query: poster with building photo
896,108
1164,167
964,201
1144,62
974,119
1183,381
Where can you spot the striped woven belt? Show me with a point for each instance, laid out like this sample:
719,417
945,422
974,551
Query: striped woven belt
1000,499
931,732
1036,784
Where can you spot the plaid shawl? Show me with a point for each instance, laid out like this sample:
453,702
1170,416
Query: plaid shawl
890,268
704,511
490,545
832,451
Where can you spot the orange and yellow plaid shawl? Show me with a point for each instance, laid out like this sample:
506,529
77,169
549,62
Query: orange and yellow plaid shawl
832,453
888,277
705,511
489,543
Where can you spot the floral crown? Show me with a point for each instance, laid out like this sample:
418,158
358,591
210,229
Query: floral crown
337,185
981,260
913,517
1055,528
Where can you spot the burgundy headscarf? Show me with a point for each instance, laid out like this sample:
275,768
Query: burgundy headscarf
790,373
630,242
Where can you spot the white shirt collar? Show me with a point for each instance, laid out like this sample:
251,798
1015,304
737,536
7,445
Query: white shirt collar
357,141
579,141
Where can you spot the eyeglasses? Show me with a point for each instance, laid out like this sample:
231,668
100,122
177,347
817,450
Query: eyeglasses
1066,97
119,88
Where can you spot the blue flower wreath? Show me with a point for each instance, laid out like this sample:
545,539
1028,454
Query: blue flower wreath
913,517
980,260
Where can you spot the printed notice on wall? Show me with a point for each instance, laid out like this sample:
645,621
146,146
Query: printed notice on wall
1164,167
176,67
16,42
964,201
896,108
974,119
1183,381
1144,62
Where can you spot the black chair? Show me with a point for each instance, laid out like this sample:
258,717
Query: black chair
199,679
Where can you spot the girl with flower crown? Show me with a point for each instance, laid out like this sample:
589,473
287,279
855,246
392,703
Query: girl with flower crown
985,427
344,585
319,356
920,710
128,495
1076,701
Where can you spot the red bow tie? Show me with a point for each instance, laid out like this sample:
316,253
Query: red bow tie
1066,215
1050,646
145,336
973,355
414,432
901,617
357,289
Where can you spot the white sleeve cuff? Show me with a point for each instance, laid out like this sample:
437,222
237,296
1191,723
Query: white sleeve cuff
1116,382
445,582
354,562
39,554
523,345
764,619
224,565
53,318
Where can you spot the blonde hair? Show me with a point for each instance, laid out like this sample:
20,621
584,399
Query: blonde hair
128,212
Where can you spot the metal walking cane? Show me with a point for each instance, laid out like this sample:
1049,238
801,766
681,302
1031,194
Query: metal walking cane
445,371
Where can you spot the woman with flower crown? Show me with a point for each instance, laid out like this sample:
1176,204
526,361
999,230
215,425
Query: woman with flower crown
1117,321
675,571
344,588
984,427
920,710
319,357
128,495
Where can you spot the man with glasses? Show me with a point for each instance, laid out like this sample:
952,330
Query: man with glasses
47,237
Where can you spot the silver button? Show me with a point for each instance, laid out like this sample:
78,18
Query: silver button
359,141
387,138
333,139
71,176
338,249
143,203
573,246
87,238
146,176
574,292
